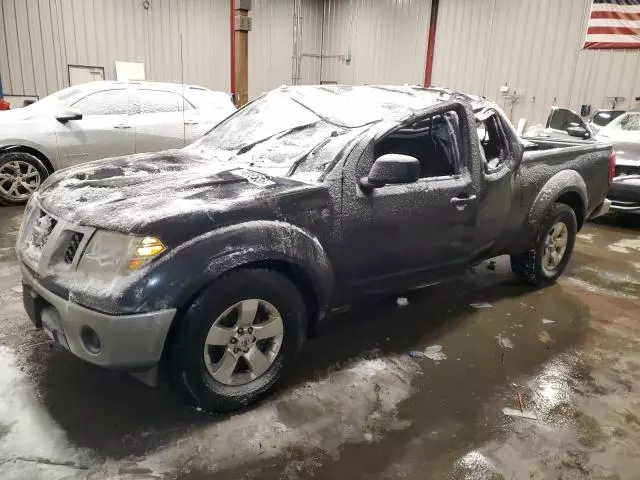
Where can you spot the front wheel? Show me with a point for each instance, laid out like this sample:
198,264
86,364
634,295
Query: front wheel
21,174
550,253
237,339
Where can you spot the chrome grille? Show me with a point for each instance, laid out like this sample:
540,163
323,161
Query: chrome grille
72,248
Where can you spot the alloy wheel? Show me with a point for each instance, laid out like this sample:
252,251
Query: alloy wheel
555,246
18,179
243,342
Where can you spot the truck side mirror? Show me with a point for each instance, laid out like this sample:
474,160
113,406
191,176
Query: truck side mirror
579,132
391,169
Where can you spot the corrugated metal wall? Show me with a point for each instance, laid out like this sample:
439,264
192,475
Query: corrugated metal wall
274,42
39,38
534,47
343,41
373,41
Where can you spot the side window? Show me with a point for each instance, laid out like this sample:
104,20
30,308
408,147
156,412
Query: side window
561,119
158,101
434,141
106,102
493,141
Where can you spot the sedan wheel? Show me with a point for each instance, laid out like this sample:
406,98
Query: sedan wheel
18,180
21,174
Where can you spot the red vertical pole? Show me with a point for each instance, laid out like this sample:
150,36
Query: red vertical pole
431,42
232,41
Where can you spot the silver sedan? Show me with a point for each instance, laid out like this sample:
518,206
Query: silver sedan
100,120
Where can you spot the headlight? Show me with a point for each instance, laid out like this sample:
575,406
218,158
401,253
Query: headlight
111,253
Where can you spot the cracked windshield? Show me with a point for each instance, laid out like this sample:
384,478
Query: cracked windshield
319,239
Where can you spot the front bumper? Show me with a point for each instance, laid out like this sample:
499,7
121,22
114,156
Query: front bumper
125,341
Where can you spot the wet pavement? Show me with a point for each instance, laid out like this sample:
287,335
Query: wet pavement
524,384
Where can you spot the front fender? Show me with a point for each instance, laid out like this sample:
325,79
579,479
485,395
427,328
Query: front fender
192,266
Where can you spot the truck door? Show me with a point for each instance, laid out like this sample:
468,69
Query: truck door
496,184
399,236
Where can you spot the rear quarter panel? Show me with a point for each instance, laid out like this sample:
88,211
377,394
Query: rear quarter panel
540,180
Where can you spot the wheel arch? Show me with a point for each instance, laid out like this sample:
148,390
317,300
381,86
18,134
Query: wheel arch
31,150
566,187
298,255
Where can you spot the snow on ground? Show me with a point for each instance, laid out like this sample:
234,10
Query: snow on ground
30,441
349,406
356,404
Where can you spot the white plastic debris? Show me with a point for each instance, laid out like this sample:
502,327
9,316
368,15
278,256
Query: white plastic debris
546,321
480,305
512,412
544,337
504,342
402,301
433,352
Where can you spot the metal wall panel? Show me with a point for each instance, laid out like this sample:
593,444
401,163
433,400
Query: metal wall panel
270,45
343,41
534,47
372,41
175,39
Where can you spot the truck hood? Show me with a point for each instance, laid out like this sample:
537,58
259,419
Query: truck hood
133,193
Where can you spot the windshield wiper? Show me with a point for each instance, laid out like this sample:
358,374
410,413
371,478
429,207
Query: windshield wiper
298,161
249,146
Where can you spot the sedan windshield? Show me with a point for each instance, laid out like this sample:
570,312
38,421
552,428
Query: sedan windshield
61,97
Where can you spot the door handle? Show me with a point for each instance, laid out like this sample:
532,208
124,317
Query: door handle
463,200
191,122
122,126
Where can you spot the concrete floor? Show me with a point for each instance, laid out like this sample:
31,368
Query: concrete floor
358,406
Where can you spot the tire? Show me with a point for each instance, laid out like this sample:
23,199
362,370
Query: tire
193,363
531,267
21,174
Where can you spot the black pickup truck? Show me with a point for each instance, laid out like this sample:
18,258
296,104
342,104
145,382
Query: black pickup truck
220,258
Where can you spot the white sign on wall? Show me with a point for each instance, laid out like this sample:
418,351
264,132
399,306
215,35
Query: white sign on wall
128,71
79,74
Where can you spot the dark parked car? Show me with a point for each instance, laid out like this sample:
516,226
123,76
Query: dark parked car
219,258
623,131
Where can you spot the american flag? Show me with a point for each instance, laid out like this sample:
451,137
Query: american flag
614,24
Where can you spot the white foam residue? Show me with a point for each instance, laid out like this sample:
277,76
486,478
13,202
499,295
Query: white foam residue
625,245
596,289
324,414
587,237
29,438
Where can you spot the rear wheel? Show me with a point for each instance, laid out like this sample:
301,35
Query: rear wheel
237,339
21,174
550,253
